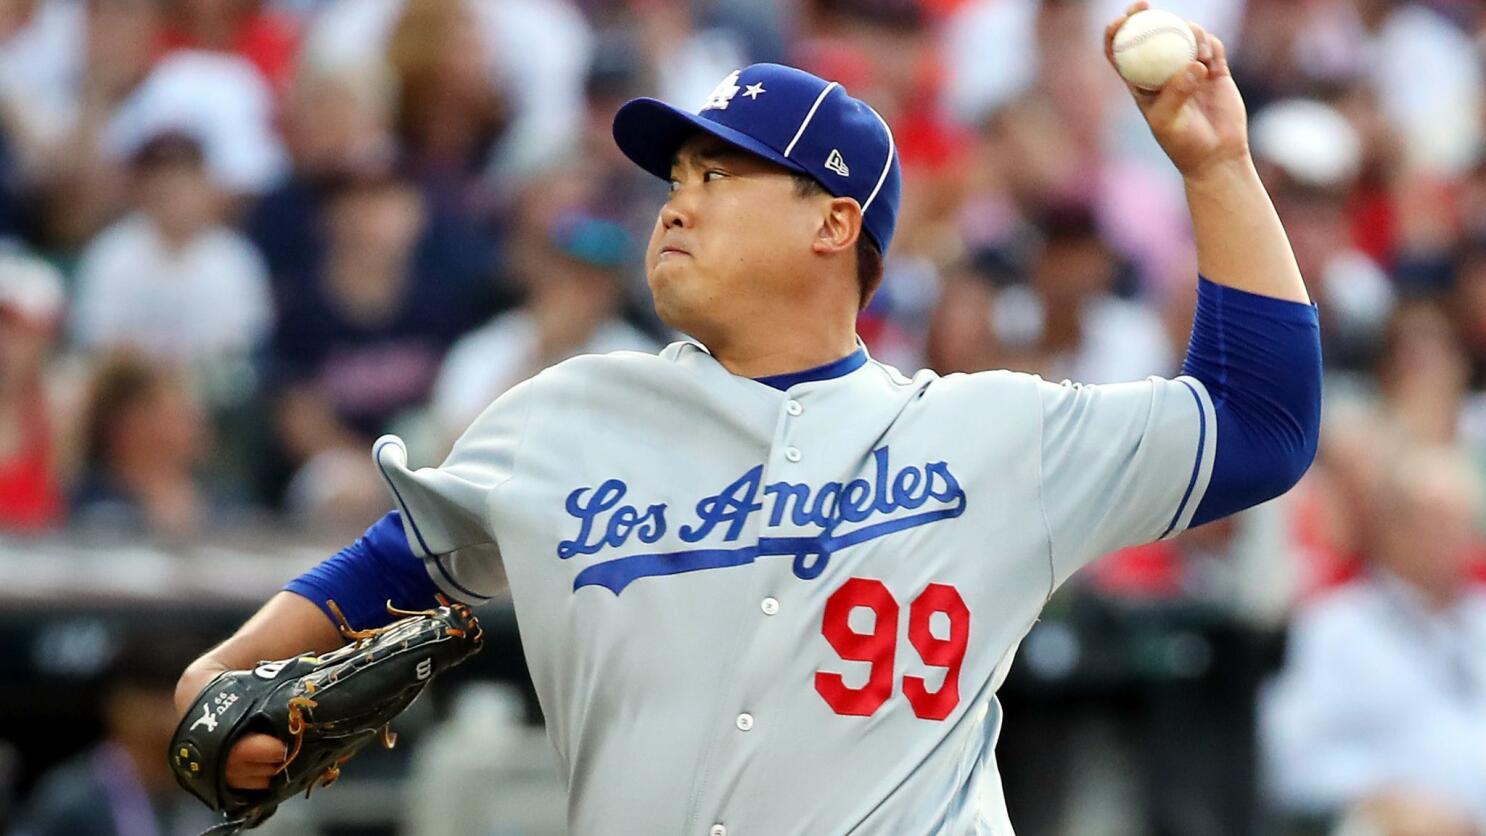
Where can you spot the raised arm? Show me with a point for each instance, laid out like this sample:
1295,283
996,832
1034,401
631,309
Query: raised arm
1199,120
1255,342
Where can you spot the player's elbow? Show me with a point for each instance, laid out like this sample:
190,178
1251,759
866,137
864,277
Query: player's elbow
1272,473
1285,466
1296,432
1261,454
1310,443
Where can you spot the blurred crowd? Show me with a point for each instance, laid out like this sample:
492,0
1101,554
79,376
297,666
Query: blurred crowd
242,238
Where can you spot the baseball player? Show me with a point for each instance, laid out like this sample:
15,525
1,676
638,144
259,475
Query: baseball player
766,584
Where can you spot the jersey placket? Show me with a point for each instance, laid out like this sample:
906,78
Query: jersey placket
742,733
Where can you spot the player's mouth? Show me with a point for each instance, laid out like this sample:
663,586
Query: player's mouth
672,250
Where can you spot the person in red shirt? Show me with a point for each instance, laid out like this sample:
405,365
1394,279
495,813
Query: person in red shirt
31,301
241,27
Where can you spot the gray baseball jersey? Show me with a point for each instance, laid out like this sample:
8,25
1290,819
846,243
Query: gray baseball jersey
753,611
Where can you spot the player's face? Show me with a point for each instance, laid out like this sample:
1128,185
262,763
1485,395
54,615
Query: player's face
733,239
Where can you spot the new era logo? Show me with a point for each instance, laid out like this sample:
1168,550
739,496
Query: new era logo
835,163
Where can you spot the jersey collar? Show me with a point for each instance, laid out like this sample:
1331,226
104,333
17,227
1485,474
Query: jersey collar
836,368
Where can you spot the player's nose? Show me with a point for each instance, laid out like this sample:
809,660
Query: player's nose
672,217
678,212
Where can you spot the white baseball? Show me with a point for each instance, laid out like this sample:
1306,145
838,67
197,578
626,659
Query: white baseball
1152,46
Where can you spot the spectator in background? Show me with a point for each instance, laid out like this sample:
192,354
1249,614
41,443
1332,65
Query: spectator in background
1422,377
534,52
240,27
1333,527
41,60
99,55
1387,46
146,438
1473,205
11,208
338,121
596,173
1441,121
1381,706
1468,305
219,98
32,436
683,55
450,112
960,336
1069,324
572,307
169,279
84,84
1308,155
360,342
122,785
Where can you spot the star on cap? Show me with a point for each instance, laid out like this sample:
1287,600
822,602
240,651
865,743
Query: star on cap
753,90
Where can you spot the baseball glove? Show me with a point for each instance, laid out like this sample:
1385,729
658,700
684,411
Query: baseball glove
325,708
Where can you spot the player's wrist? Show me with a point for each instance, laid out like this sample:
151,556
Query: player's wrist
1221,173
195,678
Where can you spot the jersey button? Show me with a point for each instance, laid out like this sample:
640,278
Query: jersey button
745,721
717,830
769,606
792,453
793,407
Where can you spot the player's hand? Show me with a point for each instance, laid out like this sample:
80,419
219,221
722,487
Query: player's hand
1198,117
254,760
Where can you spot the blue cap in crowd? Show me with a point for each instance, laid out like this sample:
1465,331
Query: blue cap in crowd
786,116
593,241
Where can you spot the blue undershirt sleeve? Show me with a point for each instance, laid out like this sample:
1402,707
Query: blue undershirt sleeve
361,578
1260,359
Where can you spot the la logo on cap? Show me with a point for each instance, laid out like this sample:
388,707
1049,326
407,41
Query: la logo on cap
723,93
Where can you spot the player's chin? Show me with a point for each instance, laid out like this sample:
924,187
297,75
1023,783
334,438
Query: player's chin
670,309
675,307
668,277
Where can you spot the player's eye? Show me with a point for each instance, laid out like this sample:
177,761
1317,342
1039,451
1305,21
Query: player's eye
707,175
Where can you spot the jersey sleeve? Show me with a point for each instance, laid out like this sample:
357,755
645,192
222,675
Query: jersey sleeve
1122,464
446,509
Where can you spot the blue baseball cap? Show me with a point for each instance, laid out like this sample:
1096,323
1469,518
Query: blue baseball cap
786,116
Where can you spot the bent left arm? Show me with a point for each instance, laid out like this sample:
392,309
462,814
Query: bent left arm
362,578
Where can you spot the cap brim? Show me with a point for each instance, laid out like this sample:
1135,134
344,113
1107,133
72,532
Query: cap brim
650,132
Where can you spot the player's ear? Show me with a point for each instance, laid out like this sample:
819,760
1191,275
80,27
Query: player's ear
840,226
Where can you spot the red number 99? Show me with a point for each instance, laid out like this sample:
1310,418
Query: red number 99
879,647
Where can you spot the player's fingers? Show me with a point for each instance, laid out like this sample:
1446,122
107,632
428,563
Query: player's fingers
254,773
1164,108
1109,36
1138,6
1204,48
1218,66
254,760
258,749
240,780
251,776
